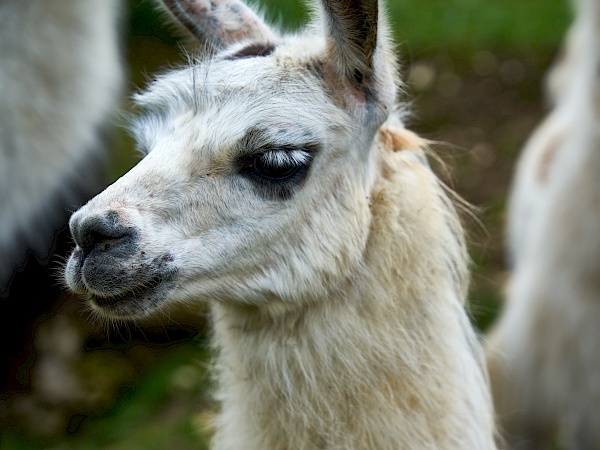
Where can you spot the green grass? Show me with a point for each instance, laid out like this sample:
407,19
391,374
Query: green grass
522,25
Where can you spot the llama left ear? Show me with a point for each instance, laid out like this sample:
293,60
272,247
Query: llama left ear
220,22
352,33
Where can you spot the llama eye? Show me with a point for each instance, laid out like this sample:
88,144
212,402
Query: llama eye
279,165
277,172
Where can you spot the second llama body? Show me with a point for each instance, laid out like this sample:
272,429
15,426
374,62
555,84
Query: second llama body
543,354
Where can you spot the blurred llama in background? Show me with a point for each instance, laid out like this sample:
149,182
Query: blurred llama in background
61,79
544,354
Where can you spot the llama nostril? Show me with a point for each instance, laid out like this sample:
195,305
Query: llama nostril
99,231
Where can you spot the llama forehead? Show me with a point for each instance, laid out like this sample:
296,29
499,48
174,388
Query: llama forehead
215,104
291,74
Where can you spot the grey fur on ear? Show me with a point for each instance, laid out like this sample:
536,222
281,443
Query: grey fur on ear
219,22
352,36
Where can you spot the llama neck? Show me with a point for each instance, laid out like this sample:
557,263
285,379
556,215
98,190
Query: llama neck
388,360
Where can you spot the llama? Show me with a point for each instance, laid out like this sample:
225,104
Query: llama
280,186
60,80
543,354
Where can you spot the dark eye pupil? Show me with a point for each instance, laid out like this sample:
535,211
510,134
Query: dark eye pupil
266,168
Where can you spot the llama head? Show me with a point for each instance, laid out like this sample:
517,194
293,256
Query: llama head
257,170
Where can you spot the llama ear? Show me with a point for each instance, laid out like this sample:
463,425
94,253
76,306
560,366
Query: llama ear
220,22
352,37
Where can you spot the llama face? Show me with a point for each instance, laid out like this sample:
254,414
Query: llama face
254,188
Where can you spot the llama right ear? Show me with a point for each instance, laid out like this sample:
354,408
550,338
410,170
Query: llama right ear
352,32
220,23
358,48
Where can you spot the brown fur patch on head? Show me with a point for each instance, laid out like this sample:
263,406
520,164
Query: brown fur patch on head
340,90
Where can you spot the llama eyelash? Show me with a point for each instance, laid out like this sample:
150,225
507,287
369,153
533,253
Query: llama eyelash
277,173
283,158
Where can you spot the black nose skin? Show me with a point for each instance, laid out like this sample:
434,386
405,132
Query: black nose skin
101,231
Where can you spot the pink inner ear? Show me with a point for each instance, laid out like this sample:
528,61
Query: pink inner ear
220,22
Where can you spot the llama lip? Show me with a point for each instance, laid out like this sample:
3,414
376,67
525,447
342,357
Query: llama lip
117,285
130,294
118,301
134,300
132,285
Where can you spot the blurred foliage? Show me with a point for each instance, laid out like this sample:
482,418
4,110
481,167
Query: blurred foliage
474,69
521,25
167,407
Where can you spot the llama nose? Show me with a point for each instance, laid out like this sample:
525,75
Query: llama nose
99,231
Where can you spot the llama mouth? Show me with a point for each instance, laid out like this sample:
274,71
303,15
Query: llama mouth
134,301
130,294
120,287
